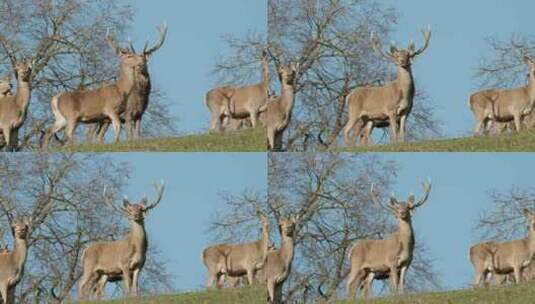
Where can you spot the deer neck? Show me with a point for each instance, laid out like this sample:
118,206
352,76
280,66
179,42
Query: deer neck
405,81
531,87
287,98
20,251
22,97
264,240
126,80
405,233
138,236
287,250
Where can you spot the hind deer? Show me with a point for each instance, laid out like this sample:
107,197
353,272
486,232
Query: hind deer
392,255
106,102
392,102
239,102
228,260
122,259
503,106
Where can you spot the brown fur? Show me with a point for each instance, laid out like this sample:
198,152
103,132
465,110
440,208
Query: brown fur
12,263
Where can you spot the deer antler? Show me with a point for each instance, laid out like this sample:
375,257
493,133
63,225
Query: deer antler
108,201
427,190
378,202
427,38
159,189
163,34
378,48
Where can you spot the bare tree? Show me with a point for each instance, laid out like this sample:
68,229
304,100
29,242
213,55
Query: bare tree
72,185
330,41
329,193
63,33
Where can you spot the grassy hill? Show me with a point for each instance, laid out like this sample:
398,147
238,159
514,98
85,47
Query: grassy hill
253,295
515,294
521,142
251,140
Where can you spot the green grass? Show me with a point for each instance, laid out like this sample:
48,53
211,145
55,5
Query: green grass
255,295
521,142
515,294
251,140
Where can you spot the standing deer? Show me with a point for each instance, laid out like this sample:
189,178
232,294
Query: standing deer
239,259
14,108
106,102
392,102
393,255
279,110
122,259
241,102
138,100
12,263
513,257
279,261
504,105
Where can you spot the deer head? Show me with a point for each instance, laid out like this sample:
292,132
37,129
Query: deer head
20,227
531,218
402,57
288,73
402,210
287,226
127,58
135,211
531,64
23,69
5,85
147,52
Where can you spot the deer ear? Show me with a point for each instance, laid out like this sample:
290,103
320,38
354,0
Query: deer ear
411,200
393,201
527,212
393,49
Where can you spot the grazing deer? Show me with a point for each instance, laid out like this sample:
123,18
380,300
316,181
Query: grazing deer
106,102
279,110
14,108
279,261
239,259
392,102
241,102
513,257
12,263
393,255
511,105
138,100
122,259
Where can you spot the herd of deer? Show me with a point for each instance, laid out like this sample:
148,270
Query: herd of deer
102,262
124,101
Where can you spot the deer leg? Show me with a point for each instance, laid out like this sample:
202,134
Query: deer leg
271,138
137,128
129,127
7,138
368,285
353,281
278,294
116,122
254,117
90,132
518,274
135,277
13,140
394,279
347,130
278,141
402,126
393,127
250,276
271,291
71,127
98,290
10,295
365,138
59,125
102,132
3,292
83,289
402,279
518,122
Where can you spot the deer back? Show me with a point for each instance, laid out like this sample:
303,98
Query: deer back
92,104
107,256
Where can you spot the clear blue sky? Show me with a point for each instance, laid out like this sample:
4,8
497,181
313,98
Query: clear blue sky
446,70
182,68
460,183
194,182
